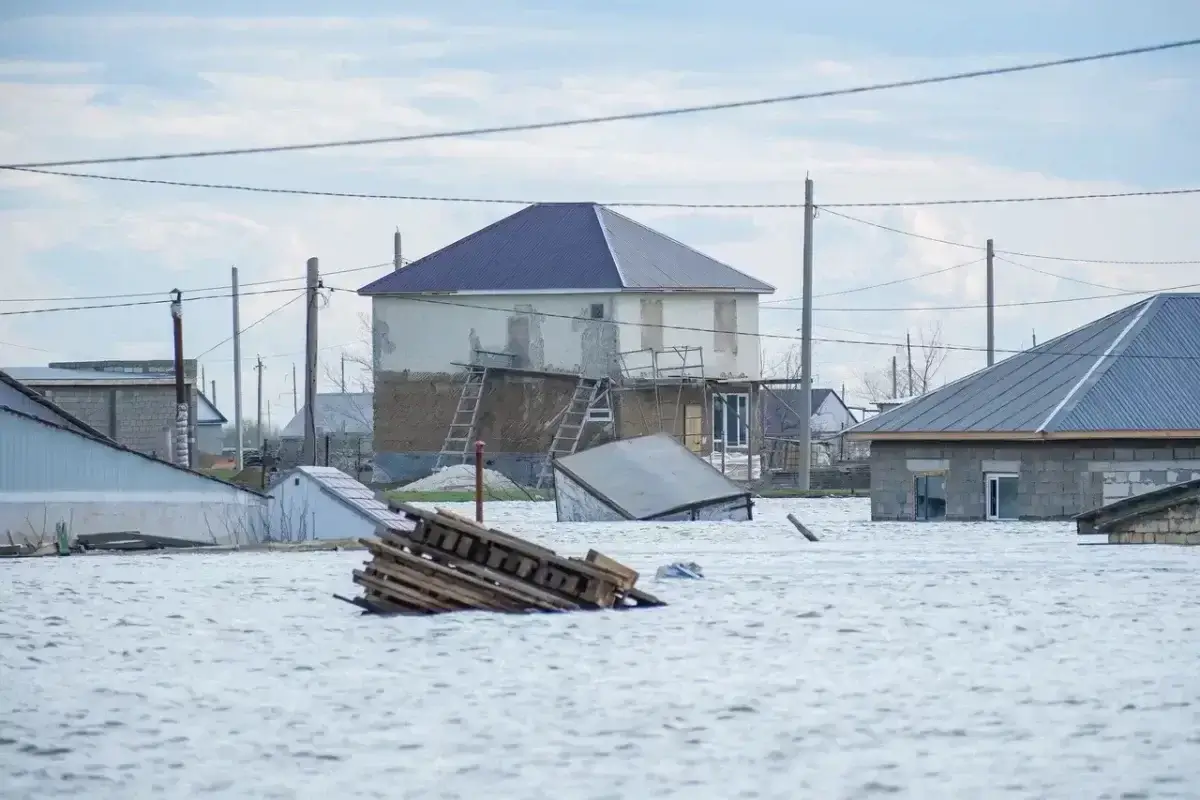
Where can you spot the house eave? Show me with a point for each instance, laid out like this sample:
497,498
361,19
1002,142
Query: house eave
560,292
1018,436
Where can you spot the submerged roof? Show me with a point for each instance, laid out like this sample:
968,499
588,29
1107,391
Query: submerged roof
1136,370
565,247
648,476
37,404
351,493
336,413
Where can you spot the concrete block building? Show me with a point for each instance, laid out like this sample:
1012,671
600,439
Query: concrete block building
1109,410
131,402
558,312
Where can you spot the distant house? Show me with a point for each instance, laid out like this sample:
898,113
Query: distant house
345,426
210,426
781,412
55,468
1109,410
131,402
558,308
309,503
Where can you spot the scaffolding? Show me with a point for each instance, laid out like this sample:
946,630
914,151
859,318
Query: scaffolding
671,369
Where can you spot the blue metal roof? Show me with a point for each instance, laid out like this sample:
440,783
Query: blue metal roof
565,247
1133,370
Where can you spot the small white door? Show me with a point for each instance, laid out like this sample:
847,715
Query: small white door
1001,495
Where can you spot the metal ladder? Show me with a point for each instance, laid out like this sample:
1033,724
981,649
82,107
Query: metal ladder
570,426
457,446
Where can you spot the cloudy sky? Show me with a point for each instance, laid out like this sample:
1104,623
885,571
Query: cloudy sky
94,79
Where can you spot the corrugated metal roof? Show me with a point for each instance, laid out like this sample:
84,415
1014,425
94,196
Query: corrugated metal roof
351,413
648,476
60,375
353,494
1068,383
35,403
58,457
564,247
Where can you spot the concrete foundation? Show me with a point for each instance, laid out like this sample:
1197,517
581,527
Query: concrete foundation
1056,480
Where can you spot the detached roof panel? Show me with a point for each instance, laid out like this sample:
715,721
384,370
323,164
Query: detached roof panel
648,476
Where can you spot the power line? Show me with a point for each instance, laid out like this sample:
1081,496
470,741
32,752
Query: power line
128,295
619,204
966,348
879,285
1060,277
635,115
965,246
264,317
133,303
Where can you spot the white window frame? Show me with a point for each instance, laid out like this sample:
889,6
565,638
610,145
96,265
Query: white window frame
991,492
721,406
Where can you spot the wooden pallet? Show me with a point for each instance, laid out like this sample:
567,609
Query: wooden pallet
439,561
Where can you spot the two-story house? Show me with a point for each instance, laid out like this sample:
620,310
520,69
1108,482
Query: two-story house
558,308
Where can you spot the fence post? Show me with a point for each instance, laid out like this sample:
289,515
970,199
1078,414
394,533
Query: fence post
479,482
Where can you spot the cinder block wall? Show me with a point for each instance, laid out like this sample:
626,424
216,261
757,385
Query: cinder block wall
136,417
1057,480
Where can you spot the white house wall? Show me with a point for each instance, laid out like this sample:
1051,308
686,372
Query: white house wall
693,316
300,510
561,333
50,475
831,416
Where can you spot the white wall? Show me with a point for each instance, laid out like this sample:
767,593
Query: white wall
426,337
562,335
831,416
695,311
300,510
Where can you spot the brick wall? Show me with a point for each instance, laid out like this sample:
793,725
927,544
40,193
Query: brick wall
1177,524
1057,480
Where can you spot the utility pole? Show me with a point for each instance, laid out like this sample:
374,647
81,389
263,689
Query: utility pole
991,306
343,373
295,408
237,372
397,260
895,388
1035,337
309,454
182,457
203,379
908,346
802,476
258,420
214,391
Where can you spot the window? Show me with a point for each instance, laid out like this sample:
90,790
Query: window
651,322
929,497
725,338
597,310
1001,495
731,419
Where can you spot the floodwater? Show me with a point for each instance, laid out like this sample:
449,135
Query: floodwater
897,660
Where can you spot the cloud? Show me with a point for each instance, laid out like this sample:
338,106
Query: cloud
70,237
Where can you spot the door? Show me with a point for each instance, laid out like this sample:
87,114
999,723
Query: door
929,496
1001,495
693,428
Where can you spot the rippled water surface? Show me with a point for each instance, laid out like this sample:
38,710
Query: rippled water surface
888,659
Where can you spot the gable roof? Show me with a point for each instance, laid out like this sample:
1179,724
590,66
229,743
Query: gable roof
207,412
347,491
47,409
1132,372
565,247
336,412
780,410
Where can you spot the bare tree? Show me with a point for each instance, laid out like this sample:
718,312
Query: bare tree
928,357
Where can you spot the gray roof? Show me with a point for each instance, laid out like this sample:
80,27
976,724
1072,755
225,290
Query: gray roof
565,247
781,407
353,494
38,375
336,413
648,476
1137,369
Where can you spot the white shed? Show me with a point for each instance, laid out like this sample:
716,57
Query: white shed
324,503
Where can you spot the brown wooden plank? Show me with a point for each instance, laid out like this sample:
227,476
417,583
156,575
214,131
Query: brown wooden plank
403,593
452,587
643,599
527,591
601,561
379,594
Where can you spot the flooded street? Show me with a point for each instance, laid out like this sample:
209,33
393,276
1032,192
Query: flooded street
952,660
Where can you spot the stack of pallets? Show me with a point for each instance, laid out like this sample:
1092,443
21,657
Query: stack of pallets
439,561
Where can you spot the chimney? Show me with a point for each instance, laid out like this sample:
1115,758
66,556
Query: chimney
397,261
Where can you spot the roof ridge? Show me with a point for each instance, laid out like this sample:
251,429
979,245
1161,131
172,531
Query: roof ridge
612,254
685,246
1103,362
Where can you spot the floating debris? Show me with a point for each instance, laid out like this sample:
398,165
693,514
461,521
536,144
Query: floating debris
680,569
439,562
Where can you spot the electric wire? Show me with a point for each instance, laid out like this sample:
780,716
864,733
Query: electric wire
263,318
627,116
